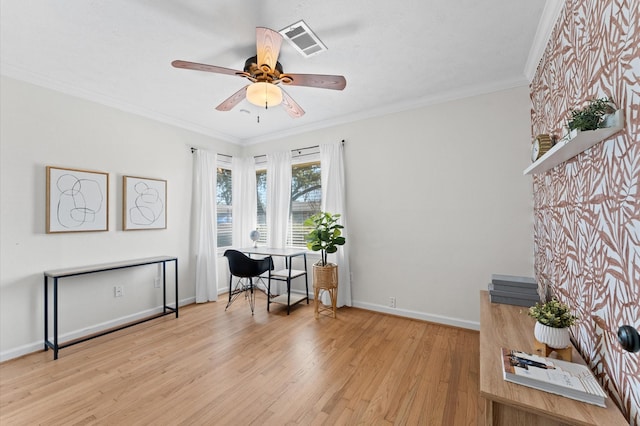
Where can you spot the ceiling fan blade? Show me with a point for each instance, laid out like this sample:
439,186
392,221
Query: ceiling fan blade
268,44
291,106
233,100
208,68
335,82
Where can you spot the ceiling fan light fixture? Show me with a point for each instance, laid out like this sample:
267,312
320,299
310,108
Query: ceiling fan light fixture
264,94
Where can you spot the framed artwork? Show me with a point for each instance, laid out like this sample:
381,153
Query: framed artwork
77,200
144,203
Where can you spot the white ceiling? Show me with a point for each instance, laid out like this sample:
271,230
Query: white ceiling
394,55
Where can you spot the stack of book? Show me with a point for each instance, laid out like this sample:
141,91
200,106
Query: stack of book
512,290
563,378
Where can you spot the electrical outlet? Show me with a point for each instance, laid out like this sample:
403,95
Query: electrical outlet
392,302
118,291
157,282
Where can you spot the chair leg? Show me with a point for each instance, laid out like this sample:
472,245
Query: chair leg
230,292
252,296
241,288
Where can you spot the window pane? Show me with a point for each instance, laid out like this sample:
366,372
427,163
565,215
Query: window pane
306,197
223,207
261,186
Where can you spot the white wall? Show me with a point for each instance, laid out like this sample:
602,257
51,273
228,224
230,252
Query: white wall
437,203
40,127
436,199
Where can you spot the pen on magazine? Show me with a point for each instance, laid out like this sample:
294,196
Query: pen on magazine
525,361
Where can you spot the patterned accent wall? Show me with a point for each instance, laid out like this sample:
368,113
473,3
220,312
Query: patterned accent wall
587,210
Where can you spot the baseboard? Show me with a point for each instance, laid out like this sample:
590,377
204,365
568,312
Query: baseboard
39,346
439,319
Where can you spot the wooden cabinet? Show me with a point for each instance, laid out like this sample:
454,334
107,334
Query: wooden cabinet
505,403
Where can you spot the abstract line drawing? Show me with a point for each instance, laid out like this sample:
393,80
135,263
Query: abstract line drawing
144,203
77,200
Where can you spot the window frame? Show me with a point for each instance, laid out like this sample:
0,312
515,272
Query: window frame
302,160
224,162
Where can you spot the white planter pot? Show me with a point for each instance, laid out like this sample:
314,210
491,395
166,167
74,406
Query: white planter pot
557,338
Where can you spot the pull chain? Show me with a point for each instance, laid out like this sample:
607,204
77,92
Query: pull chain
266,97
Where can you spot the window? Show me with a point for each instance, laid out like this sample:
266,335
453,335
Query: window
223,207
261,186
306,197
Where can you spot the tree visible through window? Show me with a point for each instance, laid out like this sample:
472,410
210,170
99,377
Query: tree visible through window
306,198
223,208
261,186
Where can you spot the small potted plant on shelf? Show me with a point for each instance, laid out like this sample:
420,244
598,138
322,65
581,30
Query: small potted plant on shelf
325,237
553,319
593,116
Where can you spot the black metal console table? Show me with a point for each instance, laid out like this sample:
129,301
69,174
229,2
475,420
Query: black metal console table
81,270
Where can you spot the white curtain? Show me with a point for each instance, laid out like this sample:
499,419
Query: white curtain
278,204
278,198
204,214
244,198
334,201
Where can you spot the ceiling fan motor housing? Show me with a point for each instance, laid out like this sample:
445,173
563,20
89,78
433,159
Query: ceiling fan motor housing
263,72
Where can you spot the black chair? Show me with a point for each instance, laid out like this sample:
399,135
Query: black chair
245,269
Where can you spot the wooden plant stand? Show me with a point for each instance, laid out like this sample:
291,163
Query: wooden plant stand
543,350
325,278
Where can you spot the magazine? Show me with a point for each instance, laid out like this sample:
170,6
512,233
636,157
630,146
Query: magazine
552,375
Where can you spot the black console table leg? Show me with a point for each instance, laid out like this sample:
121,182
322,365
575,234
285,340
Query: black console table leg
164,287
55,318
46,314
176,281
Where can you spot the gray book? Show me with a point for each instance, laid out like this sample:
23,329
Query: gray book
522,284
513,280
510,292
512,301
519,290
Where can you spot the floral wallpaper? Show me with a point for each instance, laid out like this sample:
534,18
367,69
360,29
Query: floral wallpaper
587,210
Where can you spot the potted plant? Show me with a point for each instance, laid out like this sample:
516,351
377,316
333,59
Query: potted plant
593,116
325,237
553,320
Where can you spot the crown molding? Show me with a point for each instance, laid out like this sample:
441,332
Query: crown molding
26,76
426,101
550,15
452,95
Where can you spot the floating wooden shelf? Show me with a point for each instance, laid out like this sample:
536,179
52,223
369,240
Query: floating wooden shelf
566,148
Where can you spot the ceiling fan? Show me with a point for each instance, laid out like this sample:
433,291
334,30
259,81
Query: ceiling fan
266,75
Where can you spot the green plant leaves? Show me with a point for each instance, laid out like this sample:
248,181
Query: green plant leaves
327,235
553,314
591,116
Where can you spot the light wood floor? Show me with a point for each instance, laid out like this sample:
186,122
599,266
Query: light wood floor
229,368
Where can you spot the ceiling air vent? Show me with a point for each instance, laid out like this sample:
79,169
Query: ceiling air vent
300,36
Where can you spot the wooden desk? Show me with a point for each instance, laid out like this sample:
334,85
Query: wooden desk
57,274
505,403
